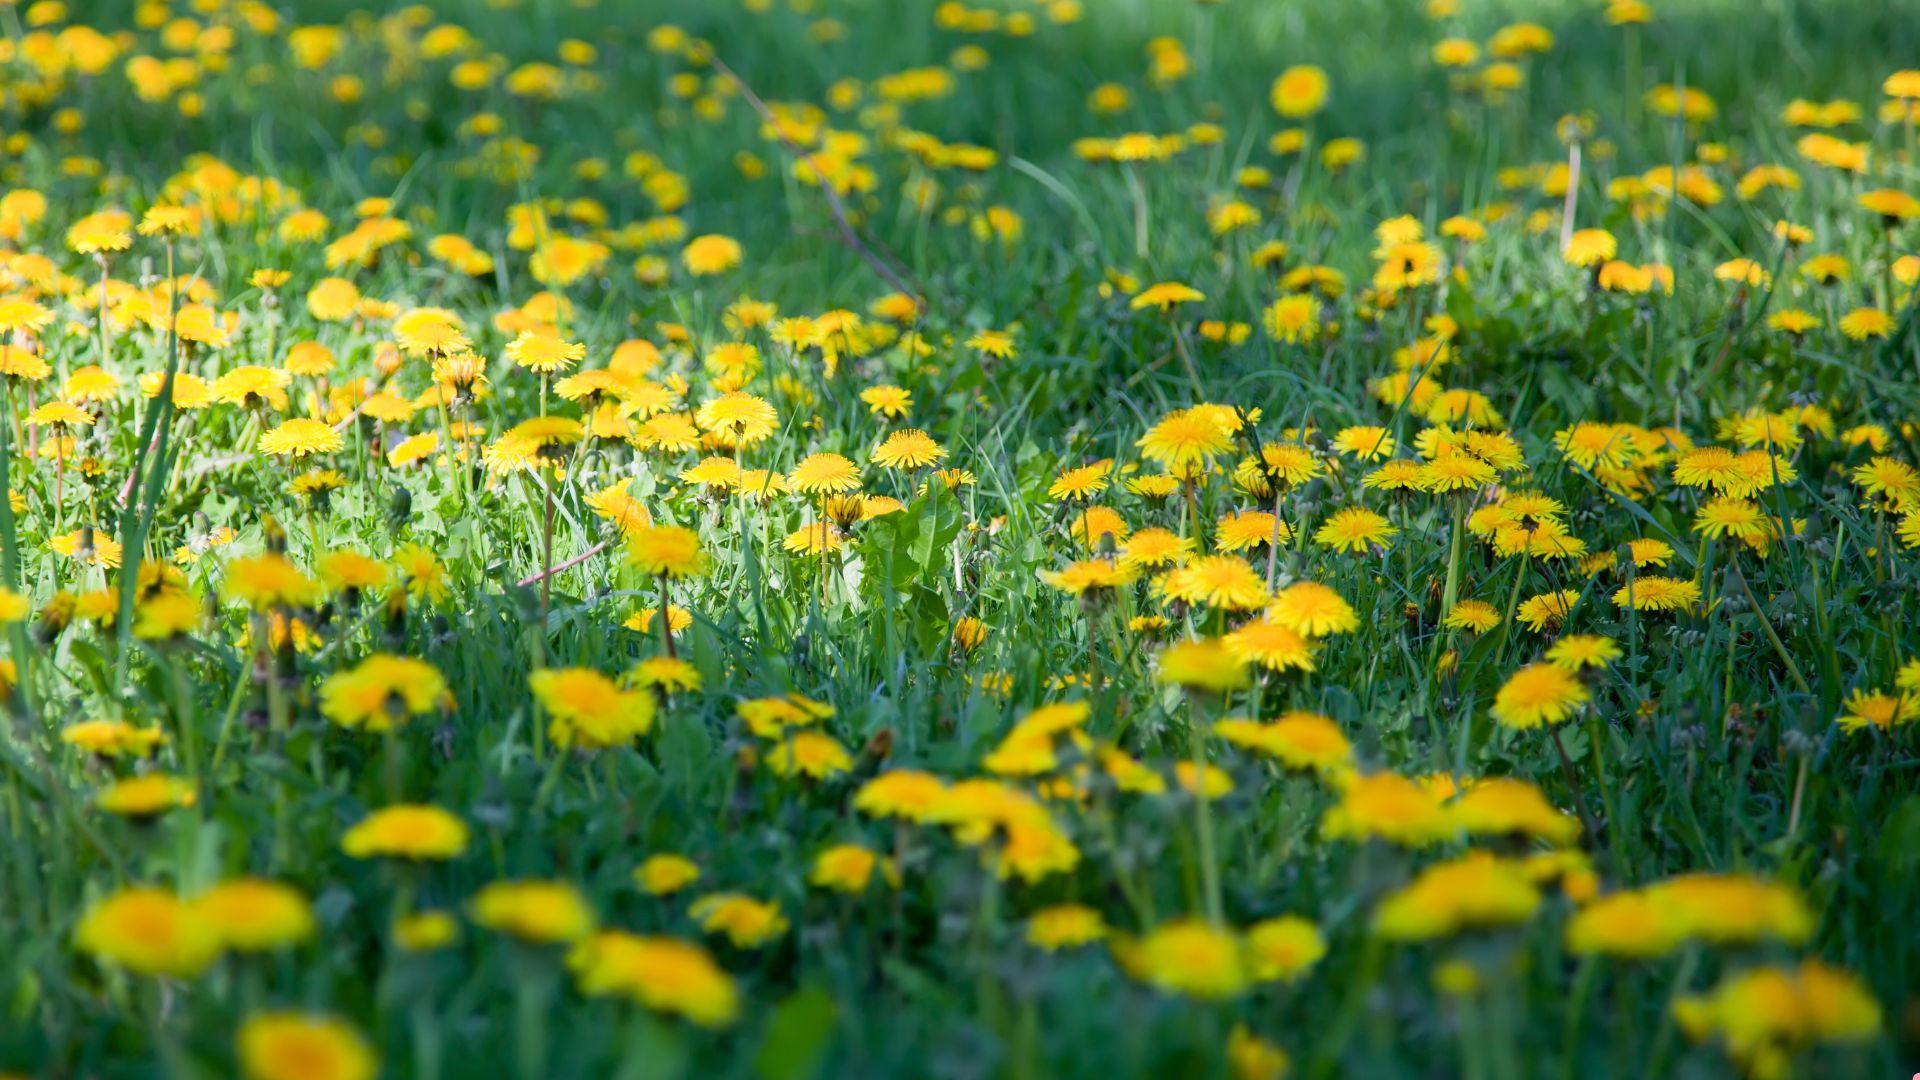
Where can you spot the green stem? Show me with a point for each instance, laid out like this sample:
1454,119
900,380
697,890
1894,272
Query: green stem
1576,1012
1689,963
1451,592
1203,811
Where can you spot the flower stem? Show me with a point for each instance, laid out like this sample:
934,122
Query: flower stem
1203,812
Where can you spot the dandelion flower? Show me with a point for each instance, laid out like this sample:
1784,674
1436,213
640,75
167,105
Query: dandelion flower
149,931
257,915
1475,891
1354,529
665,874
1653,593
1192,958
660,973
1576,652
300,437
1313,609
1538,694
406,831
301,1046
671,551
537,912
908,448
1065,926
824,474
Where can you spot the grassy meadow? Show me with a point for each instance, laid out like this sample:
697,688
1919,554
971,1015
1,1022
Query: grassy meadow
1028,538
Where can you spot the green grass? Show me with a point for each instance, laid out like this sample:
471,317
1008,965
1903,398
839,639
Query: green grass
1718,749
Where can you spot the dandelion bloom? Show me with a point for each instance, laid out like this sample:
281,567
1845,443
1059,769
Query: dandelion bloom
671,551
767,718
301,1046
1735,908
1272,646
661,973
1867,709
1628,924
1397,475
849,868
1298,740
589,710
149,931
146,796
537,912
1288,463
1366,443
816,539
1473,616
1217,581
268,581
1389,807
665,873
406,831
1908,531
1299,91
424,332
1729,517
60,414
300,437
1089,577
1764,1015
1245,530
824,474
995,343
1186,438
102,232
1475,891
112,738
544,354
1892,204
1155,547
669,674
1313,609
382,692
1208,664
887,400
1165,296
1354,529
746,922
1189,957
809,753
1209,782
1508,807
907,448
1254,1058
1589,247
1538,694
1547,611
1652,593
1065,926
424,931
1895,482
351,570
257,915
1092,524
1284,949
1455,472
711,254
1575,652
903,793
1863,323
